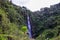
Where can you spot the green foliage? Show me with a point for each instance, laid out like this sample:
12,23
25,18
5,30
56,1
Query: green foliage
11,23
45,23
24,28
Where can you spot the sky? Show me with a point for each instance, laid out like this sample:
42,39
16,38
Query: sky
35,5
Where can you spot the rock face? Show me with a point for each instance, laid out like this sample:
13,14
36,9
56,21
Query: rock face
32,39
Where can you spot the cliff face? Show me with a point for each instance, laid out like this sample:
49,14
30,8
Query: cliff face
45,23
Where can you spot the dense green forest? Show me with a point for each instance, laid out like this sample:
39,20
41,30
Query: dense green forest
13,23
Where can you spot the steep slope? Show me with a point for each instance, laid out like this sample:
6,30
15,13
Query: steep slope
46,22
13,22
12,26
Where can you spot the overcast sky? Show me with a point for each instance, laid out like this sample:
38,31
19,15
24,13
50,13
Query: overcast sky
34,5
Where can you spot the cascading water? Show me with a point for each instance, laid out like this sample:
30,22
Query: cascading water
29,27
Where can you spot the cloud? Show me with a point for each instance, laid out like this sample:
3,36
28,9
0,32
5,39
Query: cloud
20,2
37,4
34,5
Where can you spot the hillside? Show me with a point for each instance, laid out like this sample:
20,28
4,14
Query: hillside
13,22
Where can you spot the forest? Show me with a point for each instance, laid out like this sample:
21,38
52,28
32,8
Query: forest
45,24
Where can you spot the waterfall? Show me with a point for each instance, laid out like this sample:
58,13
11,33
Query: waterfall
29,27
